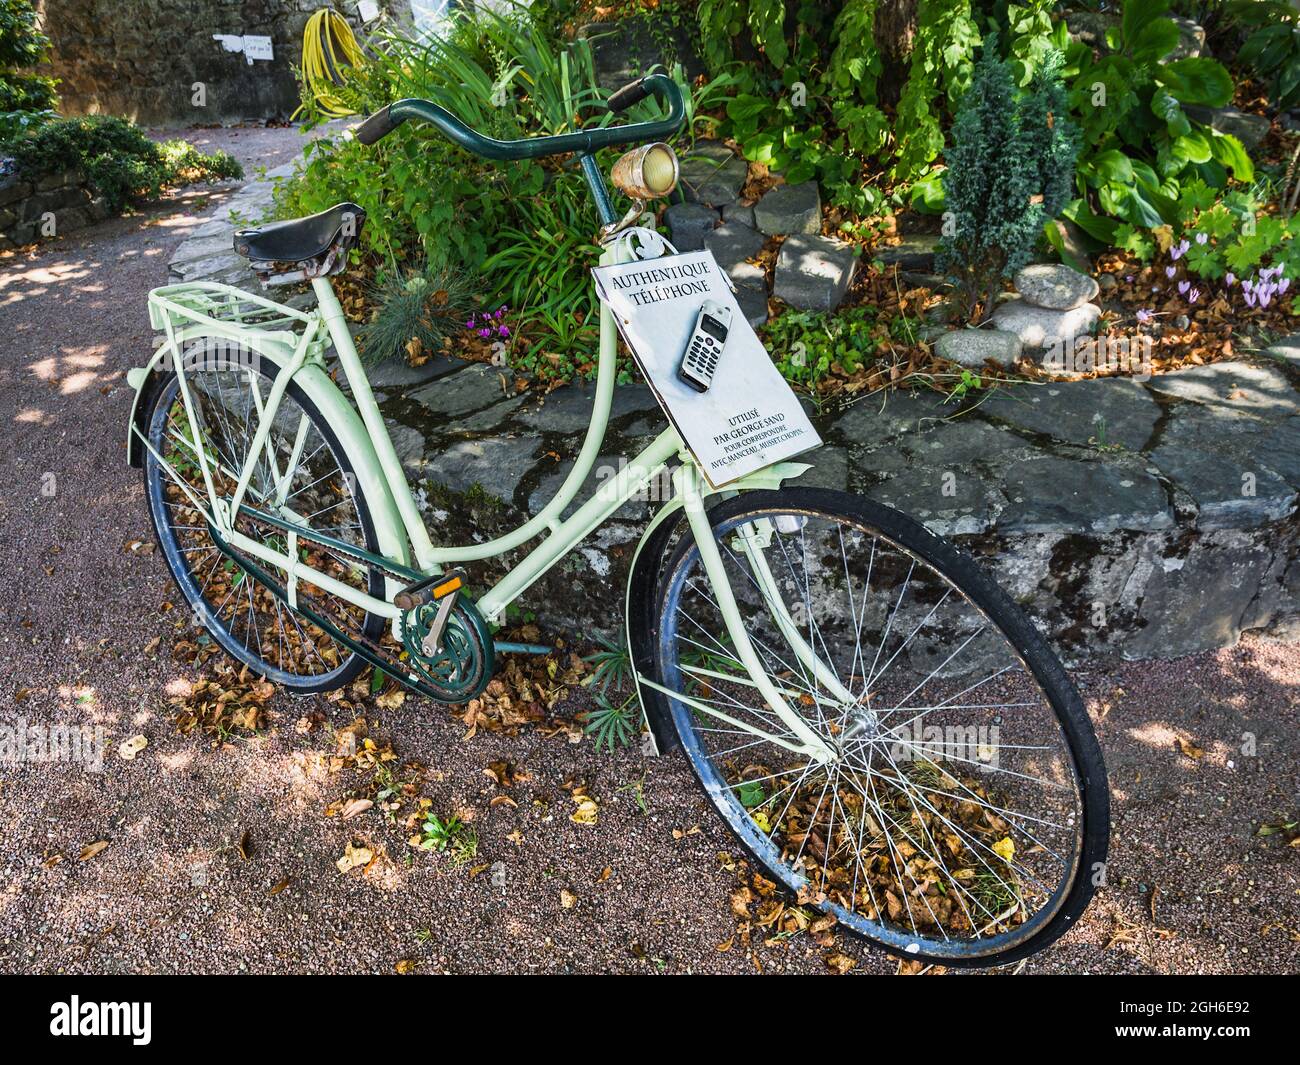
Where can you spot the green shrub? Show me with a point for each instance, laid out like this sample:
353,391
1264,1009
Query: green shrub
116,157
1010,169
523,229
808,345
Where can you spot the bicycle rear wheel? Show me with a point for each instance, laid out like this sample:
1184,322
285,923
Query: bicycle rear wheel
965,813
303,472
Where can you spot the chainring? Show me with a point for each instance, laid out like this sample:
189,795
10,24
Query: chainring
462,668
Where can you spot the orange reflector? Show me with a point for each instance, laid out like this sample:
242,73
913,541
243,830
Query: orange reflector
447,587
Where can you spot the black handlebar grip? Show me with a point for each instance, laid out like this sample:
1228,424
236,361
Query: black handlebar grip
377,126
631,93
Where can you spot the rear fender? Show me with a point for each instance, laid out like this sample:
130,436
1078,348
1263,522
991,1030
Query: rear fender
334,408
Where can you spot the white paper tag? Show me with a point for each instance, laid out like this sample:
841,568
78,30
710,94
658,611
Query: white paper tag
258,48
368,10
750,417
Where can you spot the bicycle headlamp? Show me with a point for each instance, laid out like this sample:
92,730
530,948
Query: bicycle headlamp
647,173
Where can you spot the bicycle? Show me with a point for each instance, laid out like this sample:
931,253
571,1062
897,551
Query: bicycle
880,726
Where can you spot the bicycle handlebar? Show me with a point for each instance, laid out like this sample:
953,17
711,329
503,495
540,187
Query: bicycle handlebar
584,142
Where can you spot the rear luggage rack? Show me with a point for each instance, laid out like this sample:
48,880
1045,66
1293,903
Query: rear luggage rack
210,309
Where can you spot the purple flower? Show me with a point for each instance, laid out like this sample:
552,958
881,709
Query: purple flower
1201,238
1170,271
1193,295
503,330
1144,315
501,311
1182,287
485,333
470,323
1250,297
1179,250
1230,279
1283,285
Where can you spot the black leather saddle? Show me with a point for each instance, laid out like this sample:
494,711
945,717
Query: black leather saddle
302,248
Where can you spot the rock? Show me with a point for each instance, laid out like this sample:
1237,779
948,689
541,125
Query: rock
1247,128
1055,287
624,50
399,373
789,209
688,223
1051,494
1105,412
813,272
1107,282
474,388
973,347
711,173
496,464
1090,27
733,244
1257,389
735,212
753,304
915,253
1191,38
1039,328
1228,492
1287,350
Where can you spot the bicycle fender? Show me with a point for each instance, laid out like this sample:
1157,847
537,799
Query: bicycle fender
640,603
334,407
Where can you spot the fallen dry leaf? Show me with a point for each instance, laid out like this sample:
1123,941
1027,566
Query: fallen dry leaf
91,849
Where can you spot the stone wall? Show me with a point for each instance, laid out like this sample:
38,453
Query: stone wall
142,58
54,204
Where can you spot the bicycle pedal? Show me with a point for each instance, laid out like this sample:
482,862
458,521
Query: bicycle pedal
430,589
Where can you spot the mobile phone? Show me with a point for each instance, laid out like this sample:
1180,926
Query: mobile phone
708,338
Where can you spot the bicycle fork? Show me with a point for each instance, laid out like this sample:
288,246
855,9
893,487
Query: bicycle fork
687,480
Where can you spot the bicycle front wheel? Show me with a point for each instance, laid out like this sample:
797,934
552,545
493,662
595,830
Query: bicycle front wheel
963,816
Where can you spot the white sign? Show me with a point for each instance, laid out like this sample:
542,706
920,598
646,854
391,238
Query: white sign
368,10
252,47
748,417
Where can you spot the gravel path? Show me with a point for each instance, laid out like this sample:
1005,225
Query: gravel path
199,837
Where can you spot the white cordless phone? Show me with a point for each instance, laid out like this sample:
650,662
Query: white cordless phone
708,338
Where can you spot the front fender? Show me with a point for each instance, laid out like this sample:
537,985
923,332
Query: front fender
642,603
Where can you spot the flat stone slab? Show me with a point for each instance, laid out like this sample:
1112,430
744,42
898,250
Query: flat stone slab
1229,492
1257,388
496,464
947,502
735,212
914,253
1050,494
474,388
753,304
1102,412
974,347
813,273
1286,350
1039,328
789,209
1055,286
711,173
732,245
688,224
568,410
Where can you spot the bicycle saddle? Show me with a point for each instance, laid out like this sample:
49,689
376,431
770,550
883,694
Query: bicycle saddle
315,245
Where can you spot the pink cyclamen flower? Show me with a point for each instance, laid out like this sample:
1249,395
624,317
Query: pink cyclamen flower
485,333
1183,287
1193,295
1144,315
1201,238
503,330
1179,250
1230,279
1283,285
1250,297
1170,271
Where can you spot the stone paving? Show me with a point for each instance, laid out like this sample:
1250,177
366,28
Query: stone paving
1133,518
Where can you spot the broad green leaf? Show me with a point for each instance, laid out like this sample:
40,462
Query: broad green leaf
1197,80
1228,151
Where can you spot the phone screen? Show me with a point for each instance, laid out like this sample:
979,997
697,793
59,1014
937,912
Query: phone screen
713,327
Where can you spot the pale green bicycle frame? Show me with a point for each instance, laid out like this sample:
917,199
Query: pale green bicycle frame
397,518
